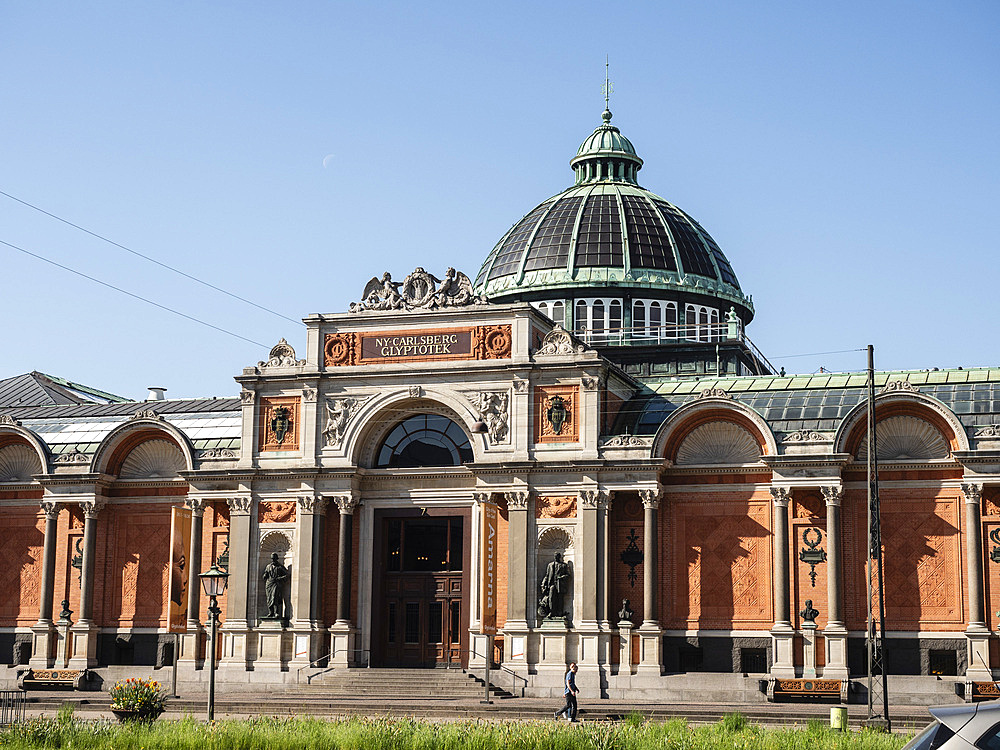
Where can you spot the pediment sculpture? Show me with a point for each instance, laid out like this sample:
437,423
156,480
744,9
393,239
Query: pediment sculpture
418,291
281,355
559,341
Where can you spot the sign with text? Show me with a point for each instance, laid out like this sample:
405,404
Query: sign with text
180,568
488,574
446,344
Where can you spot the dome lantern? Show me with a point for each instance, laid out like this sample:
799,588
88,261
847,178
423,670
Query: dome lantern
606,156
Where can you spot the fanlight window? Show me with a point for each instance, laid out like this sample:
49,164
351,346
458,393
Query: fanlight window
424,440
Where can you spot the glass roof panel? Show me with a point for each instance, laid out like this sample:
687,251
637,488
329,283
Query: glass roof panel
509,255
599,241
550,247
649,245
694,257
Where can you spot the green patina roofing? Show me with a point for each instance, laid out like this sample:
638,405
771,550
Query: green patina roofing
817,402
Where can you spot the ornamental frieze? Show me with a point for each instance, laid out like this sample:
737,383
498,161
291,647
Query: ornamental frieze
435,344
276,511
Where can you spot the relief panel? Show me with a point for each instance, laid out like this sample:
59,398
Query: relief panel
23,532
557,414
279,424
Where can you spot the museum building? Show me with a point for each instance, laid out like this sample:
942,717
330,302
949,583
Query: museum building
664,501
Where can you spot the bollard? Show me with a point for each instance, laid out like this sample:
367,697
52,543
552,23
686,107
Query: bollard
838,718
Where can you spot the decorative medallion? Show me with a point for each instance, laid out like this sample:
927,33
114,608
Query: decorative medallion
146,414
899,385
803,436
418,291
712,393
563,506
625,441
72,457
632,556
282,355
279,428
276,512
338,351
811,554
556,414
214,453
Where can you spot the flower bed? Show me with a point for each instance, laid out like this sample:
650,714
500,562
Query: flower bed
137,699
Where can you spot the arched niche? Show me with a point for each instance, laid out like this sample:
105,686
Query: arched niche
910,427
153,459
15,435
275,542
554,540
714,431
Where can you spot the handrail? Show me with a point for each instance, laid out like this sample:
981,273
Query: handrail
513,675
315,662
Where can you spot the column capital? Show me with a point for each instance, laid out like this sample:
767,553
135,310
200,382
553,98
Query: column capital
518,500
780,496
346,503
239,506
832,494
91,508
482,498
651,498
197,505
312,504
50,508
594,499
973,493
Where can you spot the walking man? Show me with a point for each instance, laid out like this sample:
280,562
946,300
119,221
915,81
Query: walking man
569,692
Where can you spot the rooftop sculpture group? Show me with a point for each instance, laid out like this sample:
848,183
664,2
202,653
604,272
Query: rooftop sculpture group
418,291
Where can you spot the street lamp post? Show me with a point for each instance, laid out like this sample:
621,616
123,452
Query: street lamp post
214,582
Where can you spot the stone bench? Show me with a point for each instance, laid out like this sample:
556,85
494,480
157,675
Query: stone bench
46,679
778,689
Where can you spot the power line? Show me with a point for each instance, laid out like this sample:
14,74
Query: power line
130,294
146,257
817,354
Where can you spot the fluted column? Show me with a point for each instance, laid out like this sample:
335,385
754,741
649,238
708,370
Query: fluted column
976,633
835,633
781,632
649,631
43,633
197,506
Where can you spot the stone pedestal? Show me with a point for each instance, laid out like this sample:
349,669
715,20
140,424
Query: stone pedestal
835,650
783,641
190,654
82,642
978,639
273,645
343,644
809,649
649,650
303,641
43,641
235,638
624,648
552,643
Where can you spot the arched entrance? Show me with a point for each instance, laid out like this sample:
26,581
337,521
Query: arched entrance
421,555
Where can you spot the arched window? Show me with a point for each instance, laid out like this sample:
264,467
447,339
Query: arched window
690,323
557,313
615,318
715,325
597,311
424,440
638,318
581,322
671,320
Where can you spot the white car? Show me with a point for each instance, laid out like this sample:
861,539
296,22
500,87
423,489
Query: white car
970,725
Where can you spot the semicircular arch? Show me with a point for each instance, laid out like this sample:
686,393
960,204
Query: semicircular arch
382,413
117,446
700,415
17,435
917,406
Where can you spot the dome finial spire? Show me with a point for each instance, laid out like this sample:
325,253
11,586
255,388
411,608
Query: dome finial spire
607,89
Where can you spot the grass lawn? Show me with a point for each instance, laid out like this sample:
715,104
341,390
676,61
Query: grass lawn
392,734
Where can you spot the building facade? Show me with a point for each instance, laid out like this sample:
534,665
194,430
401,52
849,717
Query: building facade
666,503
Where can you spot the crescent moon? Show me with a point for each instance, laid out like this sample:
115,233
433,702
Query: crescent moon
326,160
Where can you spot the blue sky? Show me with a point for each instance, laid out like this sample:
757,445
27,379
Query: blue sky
843,155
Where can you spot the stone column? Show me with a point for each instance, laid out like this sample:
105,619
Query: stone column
84,632
782,634
42,632
305,633
649,631
190,651
319,547
235,630
977,634
343,631
835,632
592,642
516,646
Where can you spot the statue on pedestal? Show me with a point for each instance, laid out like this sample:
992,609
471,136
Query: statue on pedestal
625,614
275,574
555,584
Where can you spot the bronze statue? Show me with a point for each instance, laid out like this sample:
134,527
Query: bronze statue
809,613
554,586
274,576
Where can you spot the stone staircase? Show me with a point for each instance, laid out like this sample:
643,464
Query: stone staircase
447,684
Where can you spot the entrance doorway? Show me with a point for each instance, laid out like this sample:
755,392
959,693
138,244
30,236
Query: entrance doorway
423,614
